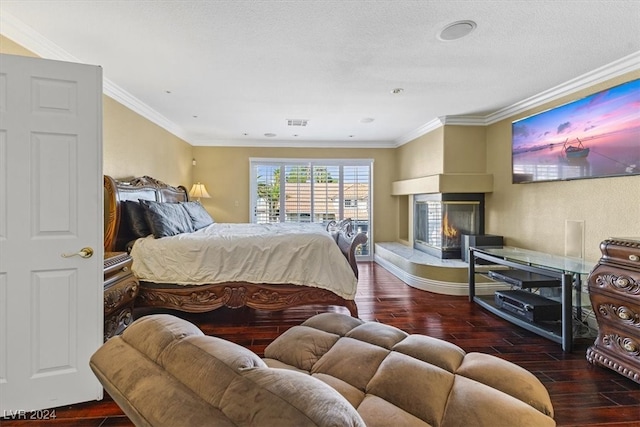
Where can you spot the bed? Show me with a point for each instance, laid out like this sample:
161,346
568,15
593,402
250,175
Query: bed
298,265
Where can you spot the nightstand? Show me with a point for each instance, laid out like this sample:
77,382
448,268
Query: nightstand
120,291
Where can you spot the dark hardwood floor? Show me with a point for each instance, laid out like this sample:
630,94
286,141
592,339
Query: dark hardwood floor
582,394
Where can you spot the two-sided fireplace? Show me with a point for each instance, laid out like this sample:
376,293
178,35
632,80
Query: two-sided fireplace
440,220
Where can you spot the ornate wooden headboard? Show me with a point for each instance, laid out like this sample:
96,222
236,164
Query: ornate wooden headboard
117,232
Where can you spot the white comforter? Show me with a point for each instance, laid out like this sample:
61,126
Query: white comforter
299,254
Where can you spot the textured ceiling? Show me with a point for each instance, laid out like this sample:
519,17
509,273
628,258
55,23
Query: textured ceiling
237,70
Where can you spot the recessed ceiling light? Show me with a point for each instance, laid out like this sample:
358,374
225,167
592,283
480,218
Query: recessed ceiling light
269,135
397,90
457,30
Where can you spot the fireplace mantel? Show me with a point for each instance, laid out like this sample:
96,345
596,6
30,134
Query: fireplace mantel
444,183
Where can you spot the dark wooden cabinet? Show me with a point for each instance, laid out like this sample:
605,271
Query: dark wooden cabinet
614,289
120,291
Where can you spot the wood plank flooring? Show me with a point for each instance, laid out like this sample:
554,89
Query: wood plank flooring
582,394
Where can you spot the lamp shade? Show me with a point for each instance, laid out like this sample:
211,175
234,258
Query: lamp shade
199,191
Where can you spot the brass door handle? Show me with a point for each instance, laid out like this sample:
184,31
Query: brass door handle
83,253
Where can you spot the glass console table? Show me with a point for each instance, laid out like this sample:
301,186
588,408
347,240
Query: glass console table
567,270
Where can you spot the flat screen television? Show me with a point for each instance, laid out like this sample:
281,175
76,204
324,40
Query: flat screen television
596,136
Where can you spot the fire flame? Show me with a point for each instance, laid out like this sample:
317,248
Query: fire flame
447,229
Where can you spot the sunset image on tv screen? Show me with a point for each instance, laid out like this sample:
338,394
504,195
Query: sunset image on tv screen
596,136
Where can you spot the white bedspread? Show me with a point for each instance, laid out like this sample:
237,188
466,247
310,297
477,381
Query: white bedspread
299,254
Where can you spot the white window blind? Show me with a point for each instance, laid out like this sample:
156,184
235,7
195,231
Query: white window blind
300,190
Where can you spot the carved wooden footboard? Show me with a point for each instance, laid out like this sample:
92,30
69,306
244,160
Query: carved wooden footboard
203,298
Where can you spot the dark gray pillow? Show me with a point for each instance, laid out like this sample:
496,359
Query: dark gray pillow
166,219
133,214
198,214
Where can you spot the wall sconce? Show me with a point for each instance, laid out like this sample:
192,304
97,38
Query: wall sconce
199,191
193,162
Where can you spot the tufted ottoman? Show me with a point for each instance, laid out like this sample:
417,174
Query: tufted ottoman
396,379
333,370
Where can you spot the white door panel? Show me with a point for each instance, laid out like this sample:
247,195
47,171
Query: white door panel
50,205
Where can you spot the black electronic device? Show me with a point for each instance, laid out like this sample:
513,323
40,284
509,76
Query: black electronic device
524,279
529,306
479,241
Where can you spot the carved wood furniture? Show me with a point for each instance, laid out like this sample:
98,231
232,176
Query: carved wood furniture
207,297
120,291
614,289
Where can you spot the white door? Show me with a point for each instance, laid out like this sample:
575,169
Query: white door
51,204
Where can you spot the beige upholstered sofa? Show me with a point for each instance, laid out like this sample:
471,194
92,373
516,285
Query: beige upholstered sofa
333,370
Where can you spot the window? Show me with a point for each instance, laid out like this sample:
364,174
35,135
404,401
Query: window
319,191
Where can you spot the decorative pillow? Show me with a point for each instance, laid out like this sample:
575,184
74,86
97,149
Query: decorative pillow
136,218
166,219
198,214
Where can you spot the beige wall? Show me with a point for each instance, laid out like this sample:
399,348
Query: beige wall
12,48
225,172
464,149
421,157
533,215
447,149
132,145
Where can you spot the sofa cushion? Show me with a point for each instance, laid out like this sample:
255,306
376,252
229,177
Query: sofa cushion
384,336
333,370
377,412
398,379
472,403
333,324
352,361
161,372
500,374
154,334
302,346
431,350
420,389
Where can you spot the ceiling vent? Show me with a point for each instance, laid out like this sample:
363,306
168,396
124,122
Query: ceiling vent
297,122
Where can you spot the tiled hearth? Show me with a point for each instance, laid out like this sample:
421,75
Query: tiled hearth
427,272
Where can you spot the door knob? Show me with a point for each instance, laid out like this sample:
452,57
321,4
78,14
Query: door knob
83,253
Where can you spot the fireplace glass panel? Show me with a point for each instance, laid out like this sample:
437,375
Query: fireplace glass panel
439,225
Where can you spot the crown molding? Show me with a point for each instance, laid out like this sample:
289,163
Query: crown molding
120,95
614,69
292,144
464,120
30,39
439,122
422,130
